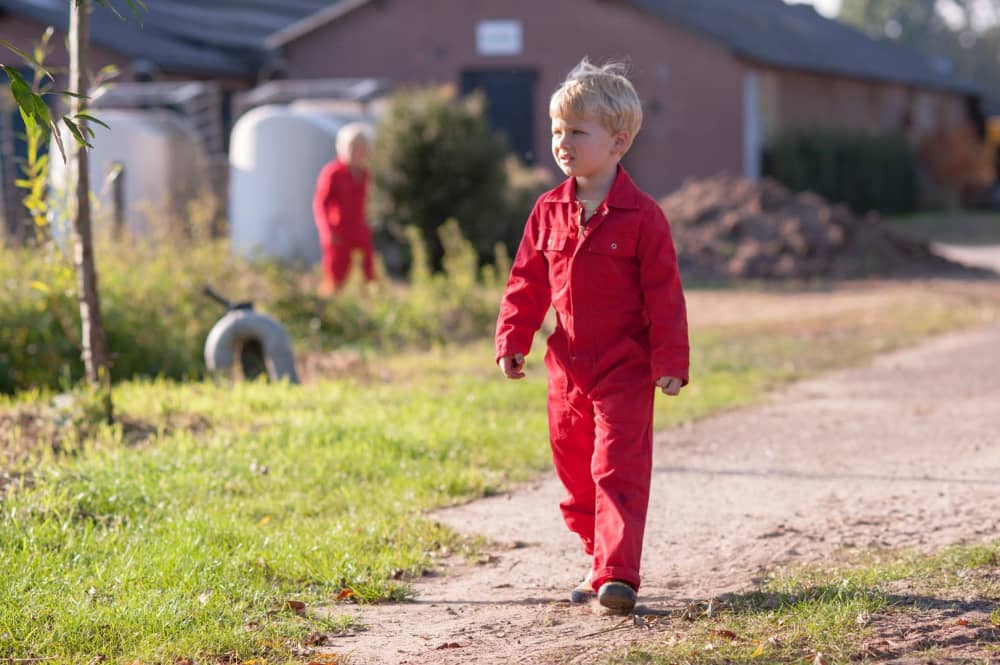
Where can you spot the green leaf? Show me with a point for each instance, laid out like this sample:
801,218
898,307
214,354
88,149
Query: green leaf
83,115
69,93
77,134
33,109
59,142
27,58
134,5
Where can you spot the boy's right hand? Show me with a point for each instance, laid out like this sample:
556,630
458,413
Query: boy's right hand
512,365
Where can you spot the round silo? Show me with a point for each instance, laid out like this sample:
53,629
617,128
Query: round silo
275,155
164,164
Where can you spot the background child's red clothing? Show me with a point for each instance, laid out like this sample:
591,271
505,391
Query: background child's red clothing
339,212
621,324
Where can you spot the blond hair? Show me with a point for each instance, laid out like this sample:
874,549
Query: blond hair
603,91
348,134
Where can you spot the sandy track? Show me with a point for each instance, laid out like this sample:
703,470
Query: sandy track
903,452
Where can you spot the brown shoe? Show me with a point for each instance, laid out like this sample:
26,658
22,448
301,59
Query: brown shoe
584,591
617,596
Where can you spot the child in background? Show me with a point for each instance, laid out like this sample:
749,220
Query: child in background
600,251
339,208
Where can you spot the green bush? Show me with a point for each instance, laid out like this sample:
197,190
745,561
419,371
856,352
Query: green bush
865,172
436,158
157,319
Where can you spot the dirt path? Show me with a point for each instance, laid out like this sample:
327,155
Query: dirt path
900,453
976,256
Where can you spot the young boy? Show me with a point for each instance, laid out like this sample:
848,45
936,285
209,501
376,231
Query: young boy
600,251
339,208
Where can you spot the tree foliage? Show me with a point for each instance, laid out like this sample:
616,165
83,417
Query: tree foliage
963,36
437,158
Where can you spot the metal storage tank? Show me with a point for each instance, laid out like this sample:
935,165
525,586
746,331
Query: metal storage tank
275,155
165,167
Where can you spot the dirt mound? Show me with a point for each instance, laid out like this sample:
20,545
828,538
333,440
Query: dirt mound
728,227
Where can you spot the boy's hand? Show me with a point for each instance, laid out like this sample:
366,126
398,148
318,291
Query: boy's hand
512,365
670,385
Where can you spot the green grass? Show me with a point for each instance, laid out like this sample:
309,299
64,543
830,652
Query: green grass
838,610
182,531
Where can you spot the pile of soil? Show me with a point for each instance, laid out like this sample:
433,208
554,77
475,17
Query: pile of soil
729,227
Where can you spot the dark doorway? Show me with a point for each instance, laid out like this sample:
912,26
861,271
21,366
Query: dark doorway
510,94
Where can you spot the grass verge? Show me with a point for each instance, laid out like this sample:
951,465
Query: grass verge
211,518
888,606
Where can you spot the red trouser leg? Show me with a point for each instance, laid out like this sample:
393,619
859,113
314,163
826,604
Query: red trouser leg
622,467
602,443
571,435
337,263
368,258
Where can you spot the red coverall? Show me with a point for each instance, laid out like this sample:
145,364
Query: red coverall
621,324
339,211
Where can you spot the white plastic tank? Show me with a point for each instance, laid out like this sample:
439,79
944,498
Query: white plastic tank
165,166
275,155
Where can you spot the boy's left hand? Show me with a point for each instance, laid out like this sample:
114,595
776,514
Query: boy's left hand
670,385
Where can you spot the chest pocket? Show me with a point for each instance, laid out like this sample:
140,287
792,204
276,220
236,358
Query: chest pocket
614,243
551,241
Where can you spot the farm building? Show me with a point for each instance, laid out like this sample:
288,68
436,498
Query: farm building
718,78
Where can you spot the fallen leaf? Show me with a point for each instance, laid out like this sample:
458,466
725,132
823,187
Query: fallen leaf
315,640
758,652
819,659
296,606
728,634
325,659
962,622
345,594
264,520
449,645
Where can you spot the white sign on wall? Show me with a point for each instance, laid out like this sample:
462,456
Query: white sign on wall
499,38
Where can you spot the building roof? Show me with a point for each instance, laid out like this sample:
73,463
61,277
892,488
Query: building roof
768,32
234,37
771,32
218,37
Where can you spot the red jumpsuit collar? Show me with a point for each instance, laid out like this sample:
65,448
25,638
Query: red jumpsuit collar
623,193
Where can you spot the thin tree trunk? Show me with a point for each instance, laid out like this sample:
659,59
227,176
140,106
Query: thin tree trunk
95,349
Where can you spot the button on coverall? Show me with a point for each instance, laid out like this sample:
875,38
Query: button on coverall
621,324
339,212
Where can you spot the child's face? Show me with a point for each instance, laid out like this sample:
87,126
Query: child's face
584,148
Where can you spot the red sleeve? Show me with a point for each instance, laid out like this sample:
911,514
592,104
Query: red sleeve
527,297
325,208
663,298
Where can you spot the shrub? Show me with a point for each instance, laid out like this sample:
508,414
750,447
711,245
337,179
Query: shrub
436,158
157,319
864,171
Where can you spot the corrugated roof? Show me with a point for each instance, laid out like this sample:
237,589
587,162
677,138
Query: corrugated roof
232,36
797,37
221,37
